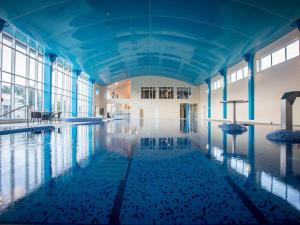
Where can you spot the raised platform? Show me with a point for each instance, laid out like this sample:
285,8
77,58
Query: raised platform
284,136
231,128
83,120
14,130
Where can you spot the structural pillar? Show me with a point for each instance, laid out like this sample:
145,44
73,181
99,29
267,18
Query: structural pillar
208,82
75,75
223,73
249,58
90,101
49,60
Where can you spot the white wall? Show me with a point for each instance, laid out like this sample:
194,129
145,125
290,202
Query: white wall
216,98
270,84
203,102
163,108
238,90
167,108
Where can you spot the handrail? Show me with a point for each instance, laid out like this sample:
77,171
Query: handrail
24,106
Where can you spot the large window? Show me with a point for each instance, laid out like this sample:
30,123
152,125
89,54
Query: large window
61,88
166,92
238,75
83,95
217,84
21,77
285,53
184,92
148,93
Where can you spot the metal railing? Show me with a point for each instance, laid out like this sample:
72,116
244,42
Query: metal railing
27,108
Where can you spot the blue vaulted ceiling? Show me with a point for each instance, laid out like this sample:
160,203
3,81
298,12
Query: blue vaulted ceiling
188,40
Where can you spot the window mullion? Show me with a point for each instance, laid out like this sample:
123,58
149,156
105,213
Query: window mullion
13,65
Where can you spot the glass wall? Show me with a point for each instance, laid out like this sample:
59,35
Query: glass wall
61,88
21,77
82,95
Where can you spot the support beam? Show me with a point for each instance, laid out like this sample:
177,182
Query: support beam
208,82
49,60
249,58
90,100
223,73
75,75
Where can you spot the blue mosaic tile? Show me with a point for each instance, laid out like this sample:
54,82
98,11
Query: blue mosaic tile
84,196
182,189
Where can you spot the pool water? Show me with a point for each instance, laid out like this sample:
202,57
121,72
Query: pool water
148,172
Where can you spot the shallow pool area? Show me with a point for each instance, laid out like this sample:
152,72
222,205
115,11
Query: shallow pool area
148,172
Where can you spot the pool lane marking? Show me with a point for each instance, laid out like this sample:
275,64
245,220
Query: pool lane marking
114,217
257,213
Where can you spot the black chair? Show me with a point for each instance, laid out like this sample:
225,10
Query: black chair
46,116
36,117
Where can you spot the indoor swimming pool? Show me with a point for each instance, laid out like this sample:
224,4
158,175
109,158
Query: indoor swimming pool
148,172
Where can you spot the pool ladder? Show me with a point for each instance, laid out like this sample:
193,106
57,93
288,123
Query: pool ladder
27,109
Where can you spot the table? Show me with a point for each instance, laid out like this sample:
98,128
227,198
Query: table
234,102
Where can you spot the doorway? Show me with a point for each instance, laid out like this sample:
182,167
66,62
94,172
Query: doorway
141,113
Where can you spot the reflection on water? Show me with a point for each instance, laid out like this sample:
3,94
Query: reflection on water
244,164
188,126
29,161
165,143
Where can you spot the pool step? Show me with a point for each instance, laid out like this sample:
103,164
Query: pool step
14,130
